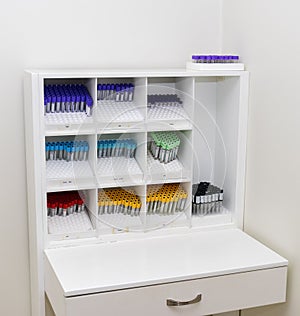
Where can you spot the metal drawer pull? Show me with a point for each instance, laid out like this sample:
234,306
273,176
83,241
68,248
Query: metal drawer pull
197,299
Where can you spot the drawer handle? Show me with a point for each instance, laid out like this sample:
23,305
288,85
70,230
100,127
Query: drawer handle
197,299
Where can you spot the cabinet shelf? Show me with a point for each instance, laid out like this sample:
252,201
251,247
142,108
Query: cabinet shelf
68,124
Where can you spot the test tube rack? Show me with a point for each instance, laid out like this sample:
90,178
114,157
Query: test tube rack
119,200
115,92
166,199
164,146
67,98
207,199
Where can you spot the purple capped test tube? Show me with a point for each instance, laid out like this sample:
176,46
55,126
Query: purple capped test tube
104,92
235,59
202,59
130,92
45,104
63,103
68,102
89,105
53,103
99,91
58,102
112,92
126,92
73,101
77,104
195,58
118,93
82,102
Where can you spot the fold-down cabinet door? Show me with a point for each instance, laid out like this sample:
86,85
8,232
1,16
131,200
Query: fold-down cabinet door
198,273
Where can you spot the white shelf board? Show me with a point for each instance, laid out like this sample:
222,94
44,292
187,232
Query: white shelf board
68,124
129,73
61,174
206,254
118,171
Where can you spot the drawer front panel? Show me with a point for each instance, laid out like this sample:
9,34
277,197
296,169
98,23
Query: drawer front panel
218,294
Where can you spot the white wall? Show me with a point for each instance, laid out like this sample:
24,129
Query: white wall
266,34
44,33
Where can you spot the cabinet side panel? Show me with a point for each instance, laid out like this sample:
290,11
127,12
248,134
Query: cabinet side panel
242,148
34,193
54,290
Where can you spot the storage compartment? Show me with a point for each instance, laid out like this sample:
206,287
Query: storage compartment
218,157
68,104
70,214
219,271
121,209
120,103
170,103
120,159
168,204
168,156
69,162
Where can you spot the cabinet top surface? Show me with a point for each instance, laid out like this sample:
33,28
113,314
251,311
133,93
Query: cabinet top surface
98,73
127,264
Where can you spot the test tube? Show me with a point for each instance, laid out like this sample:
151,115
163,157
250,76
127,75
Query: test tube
99,90
112,92
89,104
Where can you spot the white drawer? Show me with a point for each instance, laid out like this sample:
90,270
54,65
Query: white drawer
218,294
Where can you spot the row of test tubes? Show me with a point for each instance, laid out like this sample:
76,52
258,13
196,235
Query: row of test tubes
164,146
215,59
119,201
166,199
163,100
68,151
66,98
64,203
115,92
116,148
207,199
